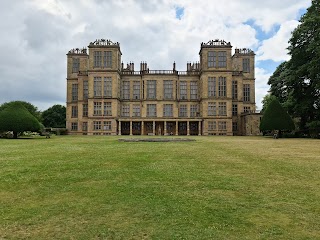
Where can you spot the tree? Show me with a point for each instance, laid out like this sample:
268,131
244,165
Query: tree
17,118
31,108
296,83
276,118
304,79
267,99
54,116
278,82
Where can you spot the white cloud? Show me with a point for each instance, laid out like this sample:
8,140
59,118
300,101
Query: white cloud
262,88
275,48
38,34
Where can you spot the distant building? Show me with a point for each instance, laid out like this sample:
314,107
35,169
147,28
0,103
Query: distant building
215,96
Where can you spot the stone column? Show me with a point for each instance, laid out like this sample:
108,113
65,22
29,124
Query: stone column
188,128
199,128
177,128
154,128
119,128
165,128
142,127
130,127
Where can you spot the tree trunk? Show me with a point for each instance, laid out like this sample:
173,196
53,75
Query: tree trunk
15,135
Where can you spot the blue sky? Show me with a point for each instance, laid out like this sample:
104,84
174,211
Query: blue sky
39,33
179,12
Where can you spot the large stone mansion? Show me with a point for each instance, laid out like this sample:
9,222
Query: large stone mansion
215,96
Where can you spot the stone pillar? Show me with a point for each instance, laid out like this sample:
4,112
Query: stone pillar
199,128
119,128
165,128
188,129
130,127
154,128
177,128
142,127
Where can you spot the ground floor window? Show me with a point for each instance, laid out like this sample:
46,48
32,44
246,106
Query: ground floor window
96,125
234,126
212,125
84,126
222,125
74,126
107,125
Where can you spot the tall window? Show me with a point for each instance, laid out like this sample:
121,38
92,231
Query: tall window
222,87
107,125
74,111
246,65
183,110
85,90
74,126
194,109
168,89
212,109
222,125
222,109
136,110
168,110
107,59
75,65
74,92
246,92
234,90
151,89
96,125
151,110
212,125
97,109
97,58
97,87
85,110
212,87
84,126
136,90
234,109
107,109
125,110
211,59
183,90
193,90
222,59
234,126
107,87
126,90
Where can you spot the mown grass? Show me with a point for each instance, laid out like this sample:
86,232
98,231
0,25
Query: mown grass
213,188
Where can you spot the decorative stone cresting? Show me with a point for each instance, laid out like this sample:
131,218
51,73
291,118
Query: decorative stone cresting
103,42
78,51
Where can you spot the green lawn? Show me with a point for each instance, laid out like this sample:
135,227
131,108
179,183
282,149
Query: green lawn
214,188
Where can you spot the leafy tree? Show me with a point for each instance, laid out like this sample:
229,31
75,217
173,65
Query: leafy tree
266,101
17,118
296,83
278,82
31,108
55,116
276,118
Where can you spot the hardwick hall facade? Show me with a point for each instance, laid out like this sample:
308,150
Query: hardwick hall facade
215,96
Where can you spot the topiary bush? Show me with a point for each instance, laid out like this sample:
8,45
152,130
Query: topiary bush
17,118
